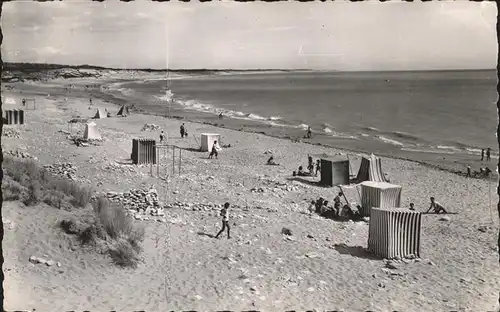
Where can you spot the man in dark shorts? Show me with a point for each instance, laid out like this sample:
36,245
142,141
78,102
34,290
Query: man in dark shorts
214,151
482,154
488,154
436,206
225,221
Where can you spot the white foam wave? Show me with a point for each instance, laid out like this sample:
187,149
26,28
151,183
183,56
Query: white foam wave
9,101
389,141
426,150
275,118
303,126
327,130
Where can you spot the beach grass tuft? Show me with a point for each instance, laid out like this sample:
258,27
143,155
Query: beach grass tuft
32,184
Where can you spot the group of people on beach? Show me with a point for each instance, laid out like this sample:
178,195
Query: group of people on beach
339,211
183,132
310,168
483,172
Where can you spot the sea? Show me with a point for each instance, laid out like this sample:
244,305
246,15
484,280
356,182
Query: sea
397,113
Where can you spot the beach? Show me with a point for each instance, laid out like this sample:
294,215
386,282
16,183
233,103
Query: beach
322,267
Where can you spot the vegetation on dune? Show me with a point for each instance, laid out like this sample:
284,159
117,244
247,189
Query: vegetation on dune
112,230
109,225
26,181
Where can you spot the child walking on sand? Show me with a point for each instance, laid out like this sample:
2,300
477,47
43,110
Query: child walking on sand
215,151
225,221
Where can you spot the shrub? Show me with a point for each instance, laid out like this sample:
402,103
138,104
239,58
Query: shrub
54,198
34,194
112,224
11,189
123,254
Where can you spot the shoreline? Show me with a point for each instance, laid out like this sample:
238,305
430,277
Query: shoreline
453,163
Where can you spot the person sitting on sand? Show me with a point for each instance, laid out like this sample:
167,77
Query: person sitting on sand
487,172
412,207
312,207
271,162
318,167
319,204
337,198
436,206
337,205
225,221
215,150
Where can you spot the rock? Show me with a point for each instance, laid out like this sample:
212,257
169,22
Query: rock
391,265
253,288
312,255
483,228
34,259
310,289
310,236
430,262
445,218
198,297
58,264
50,263
286,231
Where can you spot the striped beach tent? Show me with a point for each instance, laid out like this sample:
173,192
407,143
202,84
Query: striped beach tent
379,194
371,170
394,232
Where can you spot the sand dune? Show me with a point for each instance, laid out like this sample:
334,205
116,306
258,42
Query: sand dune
259,268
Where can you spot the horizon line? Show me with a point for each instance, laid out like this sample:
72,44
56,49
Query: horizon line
88,66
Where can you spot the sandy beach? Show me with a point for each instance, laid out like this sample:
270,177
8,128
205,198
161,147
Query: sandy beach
322,266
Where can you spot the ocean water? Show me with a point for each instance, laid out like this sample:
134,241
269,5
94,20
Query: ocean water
442,112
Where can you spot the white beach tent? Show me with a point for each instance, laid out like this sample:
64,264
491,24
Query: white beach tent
207,141
101,113
91,132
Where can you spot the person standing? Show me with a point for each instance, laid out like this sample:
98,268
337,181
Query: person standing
225,221
318,167
309,132
162,136
488,154
215,151
468,172
183,130
482,154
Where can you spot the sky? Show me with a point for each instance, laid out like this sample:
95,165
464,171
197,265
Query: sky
344,36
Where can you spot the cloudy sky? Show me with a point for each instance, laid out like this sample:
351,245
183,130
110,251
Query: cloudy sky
328,36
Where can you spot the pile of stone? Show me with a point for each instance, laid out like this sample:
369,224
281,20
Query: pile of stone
64,170
119,167
199,206
10,133
138,201
150,127
19,154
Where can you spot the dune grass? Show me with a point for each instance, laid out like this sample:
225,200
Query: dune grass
115,230
27,181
